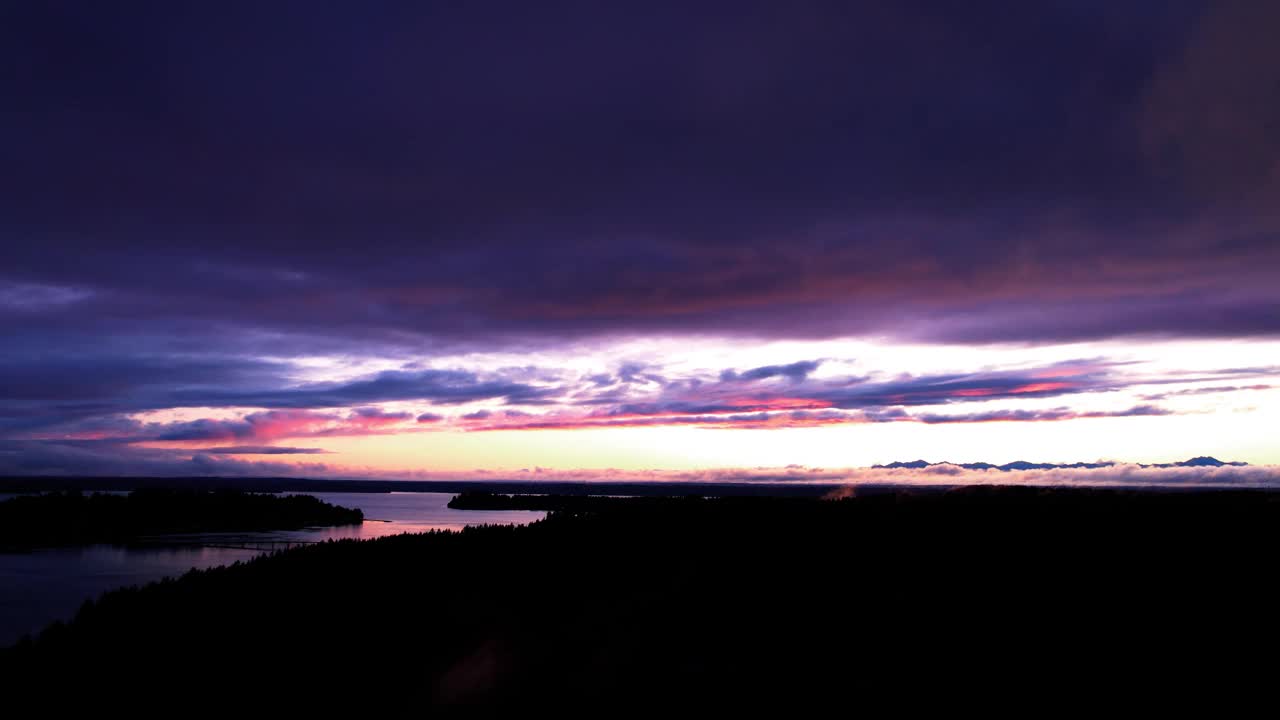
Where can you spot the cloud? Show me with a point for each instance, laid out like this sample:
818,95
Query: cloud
1210,111
36,376
378,414
268,425
441,387
772,179
276,425
44,394
1213,390
33,297
806,418
770,396
20,458
637,373
741,421
261,450
756,398
795,371
1054,415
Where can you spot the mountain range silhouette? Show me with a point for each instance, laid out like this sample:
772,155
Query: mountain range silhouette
1202,461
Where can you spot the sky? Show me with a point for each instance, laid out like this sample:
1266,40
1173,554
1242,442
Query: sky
637,240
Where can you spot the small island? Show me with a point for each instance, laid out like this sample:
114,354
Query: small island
74,518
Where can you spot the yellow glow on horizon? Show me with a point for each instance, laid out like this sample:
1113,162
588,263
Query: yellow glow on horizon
1135,439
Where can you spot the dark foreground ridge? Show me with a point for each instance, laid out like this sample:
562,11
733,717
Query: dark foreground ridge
74,518
980,594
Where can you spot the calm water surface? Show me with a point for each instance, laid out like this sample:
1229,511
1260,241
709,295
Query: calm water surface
37,588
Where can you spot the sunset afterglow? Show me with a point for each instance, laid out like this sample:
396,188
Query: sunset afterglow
762,247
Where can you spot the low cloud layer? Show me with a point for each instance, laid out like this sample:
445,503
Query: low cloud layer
791,395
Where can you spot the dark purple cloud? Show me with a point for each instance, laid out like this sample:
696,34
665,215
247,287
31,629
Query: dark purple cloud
794,371
789,387
810,418
18,458
444,387
408,175
276,424
378,414
261,450
38,393
1055,414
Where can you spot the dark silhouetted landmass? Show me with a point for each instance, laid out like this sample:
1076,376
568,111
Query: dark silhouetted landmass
981,595
74,518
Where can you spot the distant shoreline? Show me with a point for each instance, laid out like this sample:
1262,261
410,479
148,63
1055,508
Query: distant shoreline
66,519
522,487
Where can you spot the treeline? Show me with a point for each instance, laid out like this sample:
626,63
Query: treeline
72,518
961,598
984,497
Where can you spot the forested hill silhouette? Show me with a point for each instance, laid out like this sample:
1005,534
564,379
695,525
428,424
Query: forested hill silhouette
971,596
1024,465
72,518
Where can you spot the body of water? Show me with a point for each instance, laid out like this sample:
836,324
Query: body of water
39,587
